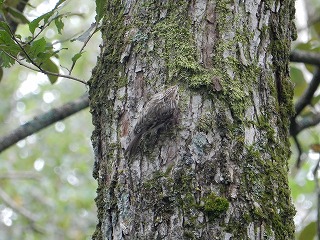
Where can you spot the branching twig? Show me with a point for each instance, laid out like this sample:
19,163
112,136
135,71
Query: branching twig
84,45
24,51
22,211
43,121
44,71
305,99
307,122
308,94
12,204
38,67
42,28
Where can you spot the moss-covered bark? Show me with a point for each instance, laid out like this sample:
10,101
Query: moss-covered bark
219,170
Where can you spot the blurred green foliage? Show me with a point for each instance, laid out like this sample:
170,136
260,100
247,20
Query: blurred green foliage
302,180
49,173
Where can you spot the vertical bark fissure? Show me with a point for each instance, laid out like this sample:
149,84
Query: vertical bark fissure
220,168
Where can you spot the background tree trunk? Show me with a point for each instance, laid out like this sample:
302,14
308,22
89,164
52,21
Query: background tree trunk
218,170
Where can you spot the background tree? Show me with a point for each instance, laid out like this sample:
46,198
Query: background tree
304,130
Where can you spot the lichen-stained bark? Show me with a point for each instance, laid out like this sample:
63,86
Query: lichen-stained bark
218,170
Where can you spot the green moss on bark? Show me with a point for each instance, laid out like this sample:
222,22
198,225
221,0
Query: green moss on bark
214,206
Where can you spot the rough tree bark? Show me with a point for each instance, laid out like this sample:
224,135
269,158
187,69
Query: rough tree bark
218,170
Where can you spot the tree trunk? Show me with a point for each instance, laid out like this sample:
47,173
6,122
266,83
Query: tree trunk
217,167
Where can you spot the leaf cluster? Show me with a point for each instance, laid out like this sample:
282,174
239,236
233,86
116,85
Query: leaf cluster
35,49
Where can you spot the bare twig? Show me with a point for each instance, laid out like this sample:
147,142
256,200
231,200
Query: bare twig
84,45
307,122
12,204
305,99
305,57
19,175
308,94
22,211
298,163
43,121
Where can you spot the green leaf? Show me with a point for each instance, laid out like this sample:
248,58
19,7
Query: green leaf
50,66
76,57
310,68
42,57
45,17
309,232
315,100
5,60
304,46
59,24
48,53
35,23
9,46
316,27
99,9
37,47
297,78
4,26
5,37
17,16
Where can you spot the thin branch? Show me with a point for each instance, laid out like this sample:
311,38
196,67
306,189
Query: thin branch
19,175
45,25
308,94
43,121
35,64
20,7
307,122
44,71
17,208
42,28
298,163
84,45
305,99
22,211
305,57
24,51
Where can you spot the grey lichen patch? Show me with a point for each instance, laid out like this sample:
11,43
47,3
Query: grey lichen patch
206,123
199,144
158,190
